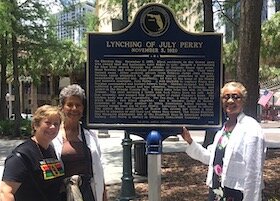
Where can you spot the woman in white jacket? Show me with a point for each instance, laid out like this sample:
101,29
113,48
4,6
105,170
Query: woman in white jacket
78,148
236,157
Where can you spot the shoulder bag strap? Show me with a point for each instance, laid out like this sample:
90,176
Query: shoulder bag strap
86,152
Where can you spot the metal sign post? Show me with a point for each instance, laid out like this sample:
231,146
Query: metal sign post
127,189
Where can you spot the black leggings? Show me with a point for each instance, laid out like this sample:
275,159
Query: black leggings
86,190
235,195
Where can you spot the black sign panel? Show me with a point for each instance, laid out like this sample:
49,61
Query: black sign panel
154,75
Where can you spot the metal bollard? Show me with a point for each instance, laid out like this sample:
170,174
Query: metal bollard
154,150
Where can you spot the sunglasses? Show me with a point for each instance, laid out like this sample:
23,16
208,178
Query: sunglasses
232,96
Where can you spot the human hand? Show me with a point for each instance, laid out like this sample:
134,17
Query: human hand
186,135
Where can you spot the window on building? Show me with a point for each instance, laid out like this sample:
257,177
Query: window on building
44,87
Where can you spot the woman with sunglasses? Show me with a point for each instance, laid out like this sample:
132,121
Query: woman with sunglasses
236,157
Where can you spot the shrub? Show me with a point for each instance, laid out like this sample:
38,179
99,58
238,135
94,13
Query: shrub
7,128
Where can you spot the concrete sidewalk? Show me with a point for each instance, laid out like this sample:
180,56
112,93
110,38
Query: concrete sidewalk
112,153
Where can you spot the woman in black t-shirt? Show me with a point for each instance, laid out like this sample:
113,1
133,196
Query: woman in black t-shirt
32,171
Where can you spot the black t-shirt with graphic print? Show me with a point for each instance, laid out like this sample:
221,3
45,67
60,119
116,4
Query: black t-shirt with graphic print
40,177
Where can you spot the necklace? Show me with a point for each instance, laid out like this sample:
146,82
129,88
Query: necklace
38,147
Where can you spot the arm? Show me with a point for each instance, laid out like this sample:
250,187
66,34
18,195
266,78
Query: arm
195,150
255,156
8,190
187,136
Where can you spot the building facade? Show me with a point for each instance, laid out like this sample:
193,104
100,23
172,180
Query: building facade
110,17
71,24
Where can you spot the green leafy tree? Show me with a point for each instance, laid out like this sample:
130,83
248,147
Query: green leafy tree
23,31
29,45
91,22
270,43
5,29
269,57
230,51
5,17
268,72
72,60
54,59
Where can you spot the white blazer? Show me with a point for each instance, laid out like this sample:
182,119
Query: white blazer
97,182
243,160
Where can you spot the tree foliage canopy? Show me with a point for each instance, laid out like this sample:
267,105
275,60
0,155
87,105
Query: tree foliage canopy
28,39
271,41
183,9
269,57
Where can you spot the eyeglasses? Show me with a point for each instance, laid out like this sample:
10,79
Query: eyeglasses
232,96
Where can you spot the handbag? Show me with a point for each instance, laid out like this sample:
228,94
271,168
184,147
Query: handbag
72,185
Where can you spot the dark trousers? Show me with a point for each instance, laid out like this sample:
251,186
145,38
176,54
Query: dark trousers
229,194
86,190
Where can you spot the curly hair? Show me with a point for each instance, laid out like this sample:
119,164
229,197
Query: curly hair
71,90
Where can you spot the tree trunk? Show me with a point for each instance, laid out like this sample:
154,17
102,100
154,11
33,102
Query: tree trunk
3,102
249,51
16,87
15,72
208,16
52,90
208,27
34,98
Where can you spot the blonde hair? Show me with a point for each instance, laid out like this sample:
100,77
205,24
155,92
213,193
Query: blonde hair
44,112
236,85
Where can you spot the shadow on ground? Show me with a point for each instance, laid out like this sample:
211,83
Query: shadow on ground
183,179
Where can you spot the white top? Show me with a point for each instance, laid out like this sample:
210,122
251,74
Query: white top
243,160
97,182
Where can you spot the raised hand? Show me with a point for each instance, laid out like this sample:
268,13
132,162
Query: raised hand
186,135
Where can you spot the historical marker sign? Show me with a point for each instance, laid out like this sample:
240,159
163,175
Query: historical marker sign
154,75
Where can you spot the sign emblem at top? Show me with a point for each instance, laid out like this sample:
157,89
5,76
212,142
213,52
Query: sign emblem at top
155,21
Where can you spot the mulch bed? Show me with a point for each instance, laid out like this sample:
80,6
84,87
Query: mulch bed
183,179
